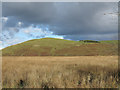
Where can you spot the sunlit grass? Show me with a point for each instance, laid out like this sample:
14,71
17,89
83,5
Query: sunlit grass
60,72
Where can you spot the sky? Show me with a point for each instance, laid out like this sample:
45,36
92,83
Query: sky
22,21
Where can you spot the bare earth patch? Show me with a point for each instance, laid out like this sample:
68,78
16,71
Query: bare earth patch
60,72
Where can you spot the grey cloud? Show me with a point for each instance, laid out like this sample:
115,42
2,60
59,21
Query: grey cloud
69,19
31,13
113,36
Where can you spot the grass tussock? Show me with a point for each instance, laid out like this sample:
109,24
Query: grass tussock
60,72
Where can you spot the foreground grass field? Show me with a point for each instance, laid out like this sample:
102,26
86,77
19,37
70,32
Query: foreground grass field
60,72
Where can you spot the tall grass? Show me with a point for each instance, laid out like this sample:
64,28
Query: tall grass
60,72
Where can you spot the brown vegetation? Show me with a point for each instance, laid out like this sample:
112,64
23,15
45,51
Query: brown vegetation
60,72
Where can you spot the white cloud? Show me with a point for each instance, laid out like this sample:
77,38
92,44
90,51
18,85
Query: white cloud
19,24
60,37
55,36
37,32
26,31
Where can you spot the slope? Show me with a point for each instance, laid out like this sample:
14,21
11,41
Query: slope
61,47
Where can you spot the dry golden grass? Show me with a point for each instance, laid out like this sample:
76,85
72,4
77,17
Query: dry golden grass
60,72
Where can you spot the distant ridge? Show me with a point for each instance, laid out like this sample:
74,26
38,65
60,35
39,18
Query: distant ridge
61,47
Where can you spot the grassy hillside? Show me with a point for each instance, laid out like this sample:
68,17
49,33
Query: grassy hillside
61,47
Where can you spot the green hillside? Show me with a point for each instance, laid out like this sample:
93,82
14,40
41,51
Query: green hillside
61,47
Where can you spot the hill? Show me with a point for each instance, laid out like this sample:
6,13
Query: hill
61,47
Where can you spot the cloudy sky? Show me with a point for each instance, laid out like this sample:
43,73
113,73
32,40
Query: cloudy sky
22,21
